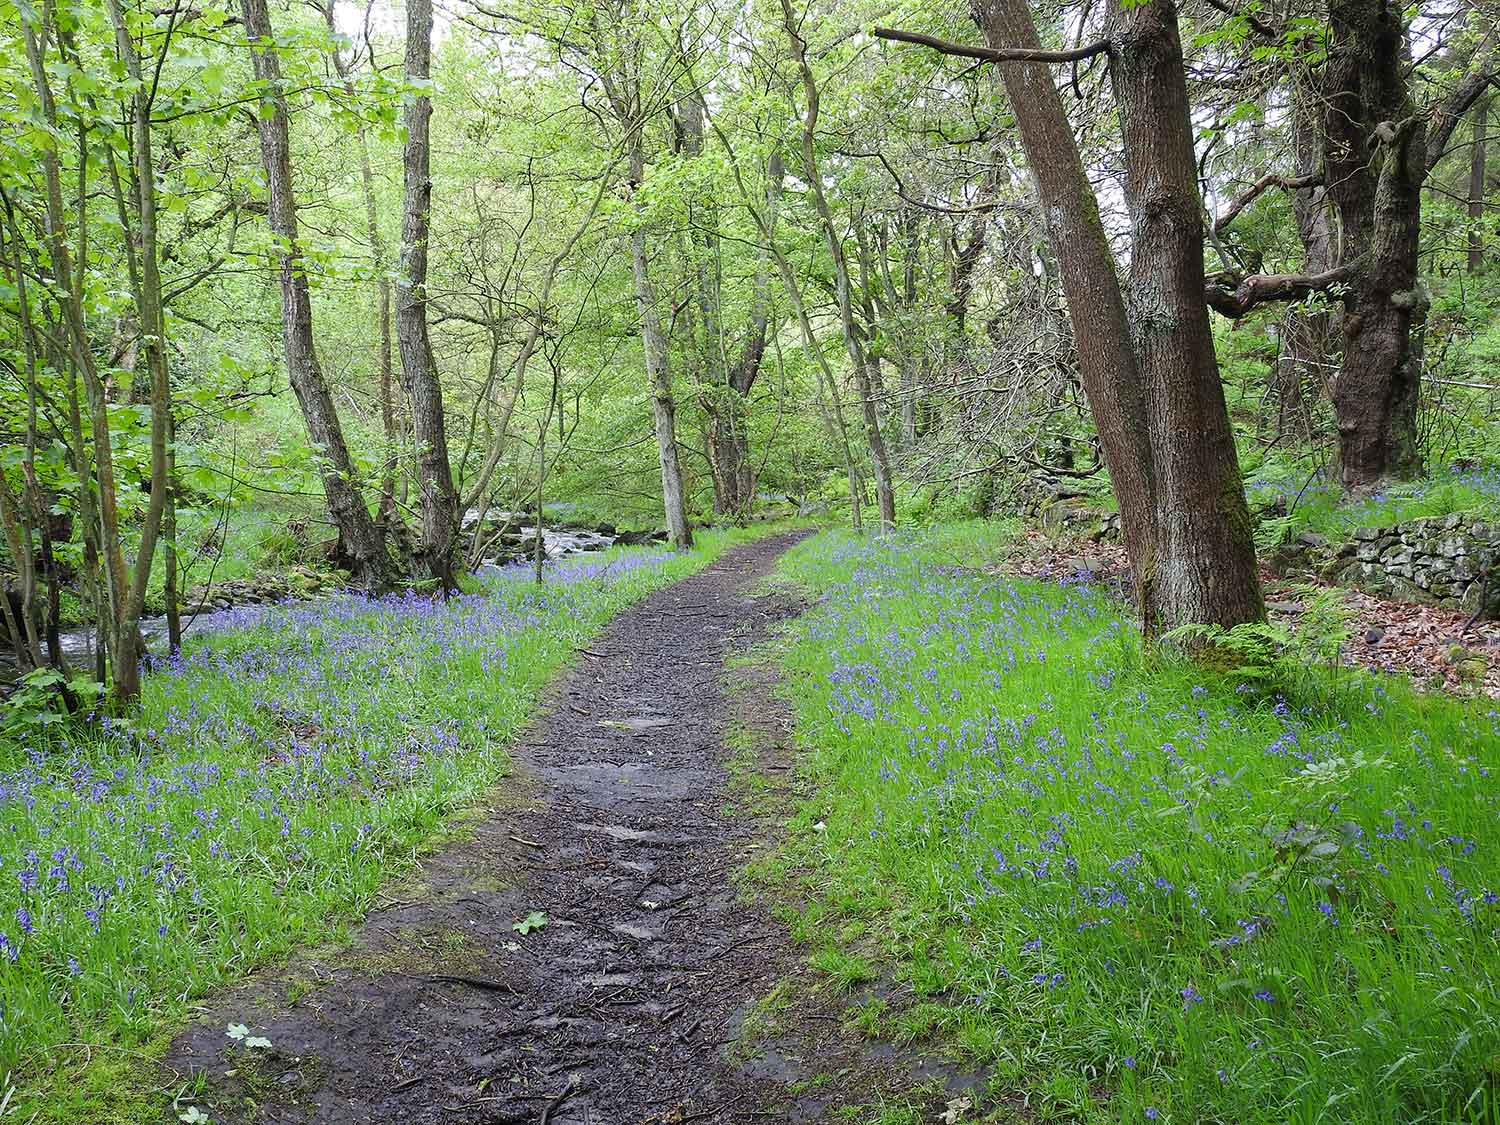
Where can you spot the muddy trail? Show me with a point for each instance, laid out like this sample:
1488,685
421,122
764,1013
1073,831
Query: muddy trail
623,1006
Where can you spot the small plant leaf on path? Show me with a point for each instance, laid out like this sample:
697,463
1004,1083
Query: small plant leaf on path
533,921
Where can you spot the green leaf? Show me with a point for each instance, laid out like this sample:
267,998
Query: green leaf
533,921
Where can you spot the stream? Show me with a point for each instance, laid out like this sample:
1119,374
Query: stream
557,542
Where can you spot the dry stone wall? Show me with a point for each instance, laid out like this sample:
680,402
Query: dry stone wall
1441,560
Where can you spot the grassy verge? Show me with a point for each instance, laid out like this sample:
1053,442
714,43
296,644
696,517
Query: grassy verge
1135,890
277,772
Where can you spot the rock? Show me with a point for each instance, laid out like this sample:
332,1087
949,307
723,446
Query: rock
1368,550
1472,670
640,538
1344,573
488,572
1312,539
1399,555
1374,635
1366,534
1453,548
1404,589
1288,609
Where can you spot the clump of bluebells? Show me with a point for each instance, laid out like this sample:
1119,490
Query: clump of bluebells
273,769
1232,907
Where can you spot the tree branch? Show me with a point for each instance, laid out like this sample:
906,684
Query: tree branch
1446,113
991,54
1257,25
1269,180
1234,295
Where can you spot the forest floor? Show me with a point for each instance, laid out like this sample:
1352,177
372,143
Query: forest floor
580,951
1439,649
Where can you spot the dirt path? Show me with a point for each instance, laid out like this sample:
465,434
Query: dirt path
620,1007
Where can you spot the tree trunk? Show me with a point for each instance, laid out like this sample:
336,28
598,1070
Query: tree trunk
1477,158
1304,343
152,317
99,503
1374,165
1206,569
1306,336
658,369
1159,411
1106,361
360,540
726,443
169,558
859,363
423,389
388,422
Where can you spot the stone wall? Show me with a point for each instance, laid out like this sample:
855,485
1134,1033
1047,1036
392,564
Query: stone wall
1451,561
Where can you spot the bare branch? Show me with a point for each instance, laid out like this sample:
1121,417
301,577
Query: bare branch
992,54
1234,296
1257,25
1269,180
1446,113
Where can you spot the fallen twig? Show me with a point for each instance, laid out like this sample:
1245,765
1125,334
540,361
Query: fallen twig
483,983
557,1101
711,1112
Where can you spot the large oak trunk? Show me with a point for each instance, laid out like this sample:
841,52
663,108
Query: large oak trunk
1374,165
1205,551
1158,406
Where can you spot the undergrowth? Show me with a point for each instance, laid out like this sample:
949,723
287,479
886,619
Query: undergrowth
1138,889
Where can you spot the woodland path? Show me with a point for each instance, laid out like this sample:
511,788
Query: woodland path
620,1008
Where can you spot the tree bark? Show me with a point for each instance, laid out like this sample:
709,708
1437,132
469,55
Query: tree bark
360,541
1106,361
859,361
1477,159
99,503
439,499
1306,336
725,385
378,261
1374,165
658,365
1158,407
1206,570
152,318
664,406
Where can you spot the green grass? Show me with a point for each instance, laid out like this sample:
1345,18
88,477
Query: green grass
1321,509
273,778
1136,889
